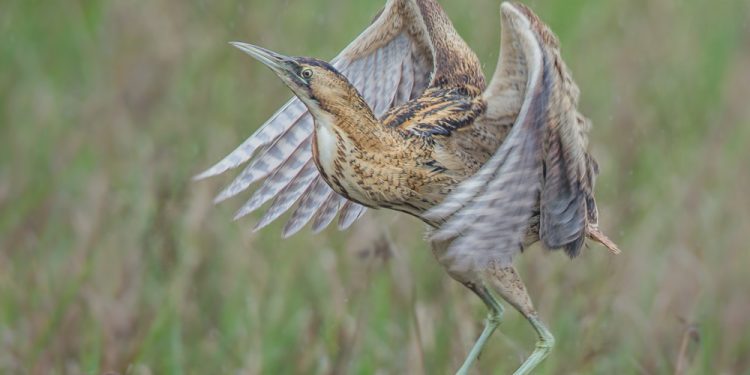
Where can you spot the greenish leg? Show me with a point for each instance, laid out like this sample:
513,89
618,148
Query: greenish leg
543,346
494,317
506,282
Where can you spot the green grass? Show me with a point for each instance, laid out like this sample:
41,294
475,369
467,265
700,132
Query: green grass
112,259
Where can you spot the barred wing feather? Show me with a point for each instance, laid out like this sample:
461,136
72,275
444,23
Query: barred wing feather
541,167
389,63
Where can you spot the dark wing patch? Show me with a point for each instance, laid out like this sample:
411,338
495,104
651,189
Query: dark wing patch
439,112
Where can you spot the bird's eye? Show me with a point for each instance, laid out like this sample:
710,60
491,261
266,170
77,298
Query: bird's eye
306,73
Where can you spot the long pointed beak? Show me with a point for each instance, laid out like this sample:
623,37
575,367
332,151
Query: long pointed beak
275,61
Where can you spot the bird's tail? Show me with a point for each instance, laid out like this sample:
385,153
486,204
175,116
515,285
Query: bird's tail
593,232
592,212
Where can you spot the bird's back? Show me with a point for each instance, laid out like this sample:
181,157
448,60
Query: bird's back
437,144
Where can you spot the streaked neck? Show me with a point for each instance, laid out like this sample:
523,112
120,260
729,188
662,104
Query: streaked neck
352,120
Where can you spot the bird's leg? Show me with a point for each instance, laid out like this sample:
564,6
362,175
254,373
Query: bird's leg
494,317
506,282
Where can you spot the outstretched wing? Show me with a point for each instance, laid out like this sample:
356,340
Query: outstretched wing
390,63
541,166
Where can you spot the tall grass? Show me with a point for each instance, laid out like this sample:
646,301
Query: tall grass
111,259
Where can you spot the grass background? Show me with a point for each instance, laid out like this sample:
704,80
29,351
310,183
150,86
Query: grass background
111,259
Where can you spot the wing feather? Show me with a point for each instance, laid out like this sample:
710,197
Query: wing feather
327,211
389,63
275,183
308,206
541,166
349,214
289,195
273,156
281,121
406,78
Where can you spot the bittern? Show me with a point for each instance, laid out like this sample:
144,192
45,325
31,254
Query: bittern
403,119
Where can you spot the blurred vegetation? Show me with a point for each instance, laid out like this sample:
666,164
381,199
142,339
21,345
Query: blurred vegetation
111,259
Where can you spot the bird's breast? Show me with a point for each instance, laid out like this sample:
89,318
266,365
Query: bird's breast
403,177
325,148
333,154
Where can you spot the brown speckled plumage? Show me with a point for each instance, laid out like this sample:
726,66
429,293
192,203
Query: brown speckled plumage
403,119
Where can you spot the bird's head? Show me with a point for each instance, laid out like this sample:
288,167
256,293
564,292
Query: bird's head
319,85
